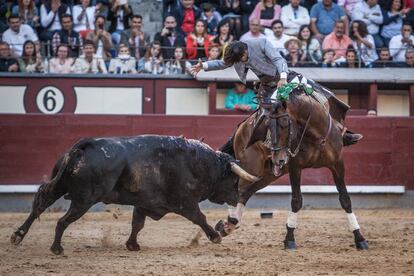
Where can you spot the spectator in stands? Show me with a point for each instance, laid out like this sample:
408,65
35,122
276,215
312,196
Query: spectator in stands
293,16
186,15
50,13
370,13
152,62
119,15
363,42
18,34
254,32
384,59
266,11
328,59
324,16
30,61
178,65
101,38
240,98
62,63
311,47
393,19
7,62
400,43
28,13
199,41
89,62
214,52
294,57
409,58
348,6
337,40
169,6
6,7
277,37
84,18
67,36
351,59
170,37
247,7
135,38
211,16
124,63
224,36
231,9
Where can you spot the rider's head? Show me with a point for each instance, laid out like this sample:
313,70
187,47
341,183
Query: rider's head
235,52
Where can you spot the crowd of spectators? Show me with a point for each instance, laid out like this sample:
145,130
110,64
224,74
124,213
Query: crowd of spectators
107,36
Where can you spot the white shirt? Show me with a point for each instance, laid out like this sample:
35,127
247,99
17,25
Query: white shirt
97,65
397,48
249,35
367,55
120,20
46,18
16,40
81,25
363,12
279,43
291,22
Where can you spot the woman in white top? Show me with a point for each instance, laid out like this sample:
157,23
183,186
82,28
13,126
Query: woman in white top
83,17
152,62
178,65
124,63
363,42
311,48
62,63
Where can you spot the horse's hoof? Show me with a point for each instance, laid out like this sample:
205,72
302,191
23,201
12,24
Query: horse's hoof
57,250
220,228
362,245
216,239
133,246
291,245
17,237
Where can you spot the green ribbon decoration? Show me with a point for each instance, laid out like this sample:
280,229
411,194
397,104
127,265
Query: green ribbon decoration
284,91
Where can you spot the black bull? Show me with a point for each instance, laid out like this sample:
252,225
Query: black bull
155,174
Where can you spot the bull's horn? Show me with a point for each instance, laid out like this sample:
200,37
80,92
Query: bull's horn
242,173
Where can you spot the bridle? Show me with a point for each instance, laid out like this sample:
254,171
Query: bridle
288,146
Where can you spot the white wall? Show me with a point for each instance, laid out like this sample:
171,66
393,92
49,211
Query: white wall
186,101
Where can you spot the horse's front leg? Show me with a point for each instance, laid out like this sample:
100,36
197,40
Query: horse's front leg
338,173
296,205
233,221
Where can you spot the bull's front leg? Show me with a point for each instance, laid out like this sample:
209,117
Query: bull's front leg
194,214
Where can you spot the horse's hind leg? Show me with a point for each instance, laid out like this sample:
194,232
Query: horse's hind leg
338,173
296,205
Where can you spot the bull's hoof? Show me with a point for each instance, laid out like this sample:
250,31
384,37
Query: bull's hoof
17,237
362,245
133,246
290,245
57,249
216,239
220,228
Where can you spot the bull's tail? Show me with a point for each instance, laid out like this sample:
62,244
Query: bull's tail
51,191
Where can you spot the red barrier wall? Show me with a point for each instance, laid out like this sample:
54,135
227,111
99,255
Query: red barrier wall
30,144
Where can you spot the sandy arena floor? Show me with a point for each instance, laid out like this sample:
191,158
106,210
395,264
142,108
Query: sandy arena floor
95,245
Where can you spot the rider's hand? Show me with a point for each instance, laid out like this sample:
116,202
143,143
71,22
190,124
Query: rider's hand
196,68
281,82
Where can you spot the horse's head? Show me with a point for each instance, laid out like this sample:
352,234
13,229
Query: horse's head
280,128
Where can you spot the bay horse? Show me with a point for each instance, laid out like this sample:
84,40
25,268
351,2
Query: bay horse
303,134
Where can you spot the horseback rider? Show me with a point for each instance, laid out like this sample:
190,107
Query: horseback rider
260,56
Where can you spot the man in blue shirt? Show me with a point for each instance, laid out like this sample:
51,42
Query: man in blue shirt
240,98
323,17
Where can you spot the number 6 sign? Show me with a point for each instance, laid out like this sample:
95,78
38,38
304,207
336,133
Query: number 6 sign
50,100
